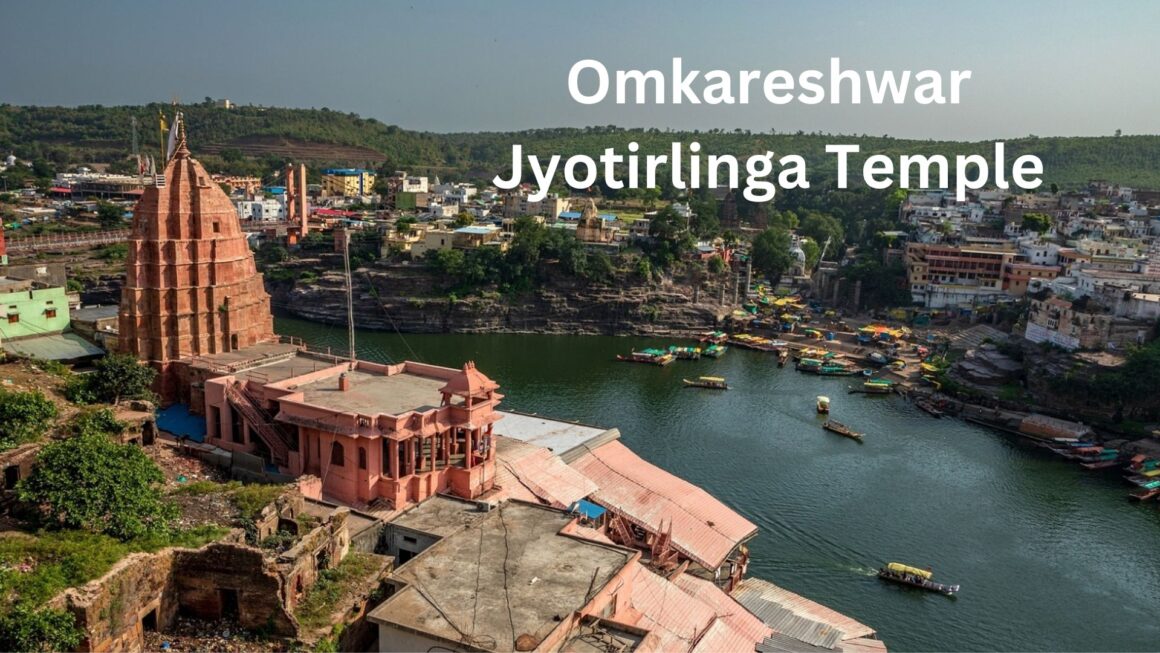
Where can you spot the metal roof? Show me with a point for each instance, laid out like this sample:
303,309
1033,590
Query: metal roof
54,347
525,471
703,528
797,617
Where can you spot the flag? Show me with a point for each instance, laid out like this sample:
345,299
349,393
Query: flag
172,137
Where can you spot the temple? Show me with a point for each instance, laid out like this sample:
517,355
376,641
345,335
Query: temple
191,285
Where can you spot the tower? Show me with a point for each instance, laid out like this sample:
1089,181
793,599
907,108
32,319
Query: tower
3,247
191,286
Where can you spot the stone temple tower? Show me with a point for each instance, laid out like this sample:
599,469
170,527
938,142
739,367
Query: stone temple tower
191,285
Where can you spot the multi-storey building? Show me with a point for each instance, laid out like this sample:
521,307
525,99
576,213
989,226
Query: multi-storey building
347,182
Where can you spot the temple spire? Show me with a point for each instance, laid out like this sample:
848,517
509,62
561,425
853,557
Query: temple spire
182,150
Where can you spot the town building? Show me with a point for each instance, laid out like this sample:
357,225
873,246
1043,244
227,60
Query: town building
591,227
1083,324
83,185
518,204
347,182
942,276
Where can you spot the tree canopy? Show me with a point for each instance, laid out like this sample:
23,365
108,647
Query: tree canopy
24,417
770,253
92,483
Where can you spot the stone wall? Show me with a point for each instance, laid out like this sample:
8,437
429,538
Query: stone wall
232,581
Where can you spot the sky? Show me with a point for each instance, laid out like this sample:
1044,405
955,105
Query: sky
1049,68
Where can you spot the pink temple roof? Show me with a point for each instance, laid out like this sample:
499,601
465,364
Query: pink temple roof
469,381
684,622
530,473
703,528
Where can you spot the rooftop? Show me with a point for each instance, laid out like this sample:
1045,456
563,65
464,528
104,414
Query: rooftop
557,436
373,393
54,347
535,577
440,516
94,313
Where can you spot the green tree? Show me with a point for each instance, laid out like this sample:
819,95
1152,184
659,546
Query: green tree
403,225
1037,222
716,265
272,252
770,253
110,215
821,226
92,483
120,376
812,251
464,219
24,417
30,628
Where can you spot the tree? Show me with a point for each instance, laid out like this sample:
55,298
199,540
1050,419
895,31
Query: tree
820,227
120,376
770,253
272,252
24,416
403,225
716,265
812,252
110,215
464,219
1054,188
90,482
1038,222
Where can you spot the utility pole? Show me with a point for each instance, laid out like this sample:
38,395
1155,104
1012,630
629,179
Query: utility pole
349,296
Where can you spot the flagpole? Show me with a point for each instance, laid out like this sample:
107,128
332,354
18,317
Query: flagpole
161,131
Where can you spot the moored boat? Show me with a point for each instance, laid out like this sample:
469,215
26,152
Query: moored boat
782,357
823,404
715,351
922,578
929,407
809,365
652,356
1143,494
711,382
841,429
685,353
877,386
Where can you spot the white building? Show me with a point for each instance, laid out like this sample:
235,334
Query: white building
266,210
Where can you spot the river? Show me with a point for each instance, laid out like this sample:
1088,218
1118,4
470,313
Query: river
1049,556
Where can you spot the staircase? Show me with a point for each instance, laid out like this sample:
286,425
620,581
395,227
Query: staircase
260,422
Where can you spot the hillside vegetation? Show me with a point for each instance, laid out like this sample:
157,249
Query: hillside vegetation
97,134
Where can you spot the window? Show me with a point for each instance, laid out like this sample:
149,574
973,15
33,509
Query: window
13,318
362,458
50,313
217,227
336,454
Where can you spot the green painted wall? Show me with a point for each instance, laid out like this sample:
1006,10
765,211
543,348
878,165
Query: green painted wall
32,307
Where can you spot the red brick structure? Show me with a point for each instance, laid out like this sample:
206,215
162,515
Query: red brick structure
191,286
3,247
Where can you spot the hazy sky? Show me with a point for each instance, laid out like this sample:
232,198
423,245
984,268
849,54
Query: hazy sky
1045,68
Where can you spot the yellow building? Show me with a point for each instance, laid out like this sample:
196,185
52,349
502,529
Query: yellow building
347,182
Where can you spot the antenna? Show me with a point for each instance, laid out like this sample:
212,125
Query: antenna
349,295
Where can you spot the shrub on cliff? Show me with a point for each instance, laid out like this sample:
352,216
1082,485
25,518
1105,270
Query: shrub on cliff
28,628
92,483
117,377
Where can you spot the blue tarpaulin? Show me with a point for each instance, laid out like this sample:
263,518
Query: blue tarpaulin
180,422
588,509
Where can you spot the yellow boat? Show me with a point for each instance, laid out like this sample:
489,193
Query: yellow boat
711,382
899,568
907,575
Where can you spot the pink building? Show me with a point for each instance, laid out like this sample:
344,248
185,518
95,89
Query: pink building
396,433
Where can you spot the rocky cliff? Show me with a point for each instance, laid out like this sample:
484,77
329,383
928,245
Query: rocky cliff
402,298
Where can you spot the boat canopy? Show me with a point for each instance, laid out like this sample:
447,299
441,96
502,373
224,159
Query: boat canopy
823,400
899,568
716,379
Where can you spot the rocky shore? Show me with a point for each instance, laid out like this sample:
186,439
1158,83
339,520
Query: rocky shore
400,299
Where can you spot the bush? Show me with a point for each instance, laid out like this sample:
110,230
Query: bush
91,483
28,628
24,417
117,377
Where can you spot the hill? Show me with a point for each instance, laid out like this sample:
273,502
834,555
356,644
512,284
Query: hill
98,134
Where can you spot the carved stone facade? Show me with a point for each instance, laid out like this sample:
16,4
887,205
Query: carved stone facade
191,285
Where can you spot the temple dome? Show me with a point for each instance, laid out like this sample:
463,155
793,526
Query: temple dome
469,382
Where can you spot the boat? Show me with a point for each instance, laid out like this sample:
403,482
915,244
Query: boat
878,357
1143,494
711,382
1101,464
922,578
715,351
841,429
808,365
714,337
685,353
782,357
929,408
653,356
836,370
823,405
877,386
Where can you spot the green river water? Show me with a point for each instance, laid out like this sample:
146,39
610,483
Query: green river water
1049,556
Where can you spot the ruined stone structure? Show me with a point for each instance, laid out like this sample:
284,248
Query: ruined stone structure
591,227
191,286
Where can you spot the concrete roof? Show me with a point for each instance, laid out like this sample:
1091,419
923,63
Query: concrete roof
796,617
507,575
557,436
54,347
440,516
94,313
374,393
